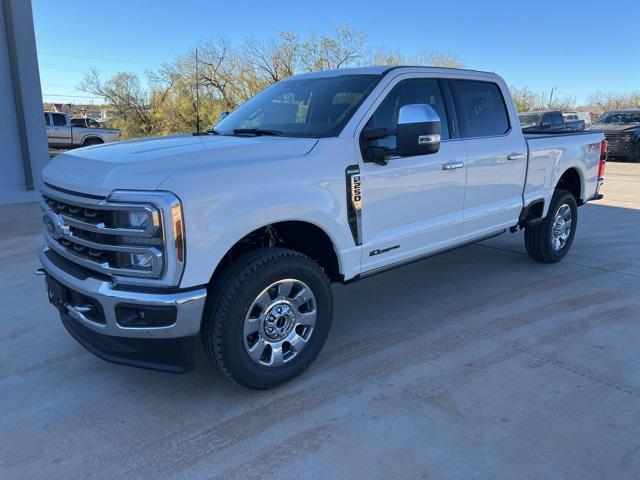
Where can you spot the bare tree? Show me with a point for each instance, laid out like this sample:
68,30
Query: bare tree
606,101
434,58
345,48
218,69
386,57
275,58
525,99
126,98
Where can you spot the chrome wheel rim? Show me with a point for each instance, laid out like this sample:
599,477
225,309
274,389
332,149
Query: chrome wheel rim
561,228
280,322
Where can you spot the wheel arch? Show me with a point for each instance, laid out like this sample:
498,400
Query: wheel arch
572,180
302,236
92,137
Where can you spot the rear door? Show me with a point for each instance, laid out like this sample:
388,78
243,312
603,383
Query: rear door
496,157
60,131
412,205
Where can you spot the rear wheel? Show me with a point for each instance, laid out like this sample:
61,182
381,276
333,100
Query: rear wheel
268,317
550,240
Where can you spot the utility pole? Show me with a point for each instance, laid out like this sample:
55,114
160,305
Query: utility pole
551,97
197,95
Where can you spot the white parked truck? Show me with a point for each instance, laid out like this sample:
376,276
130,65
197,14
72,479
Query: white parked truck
65,133
235,236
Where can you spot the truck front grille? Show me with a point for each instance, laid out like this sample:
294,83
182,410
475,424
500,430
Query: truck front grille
614,139
131,235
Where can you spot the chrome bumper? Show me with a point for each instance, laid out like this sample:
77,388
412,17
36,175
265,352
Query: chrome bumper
189,305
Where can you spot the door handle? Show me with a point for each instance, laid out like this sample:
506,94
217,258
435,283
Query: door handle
516,156
452,165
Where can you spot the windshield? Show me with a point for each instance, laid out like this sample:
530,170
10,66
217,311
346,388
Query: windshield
627,117
530,118
305,107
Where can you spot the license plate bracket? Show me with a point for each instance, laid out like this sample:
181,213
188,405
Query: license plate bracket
58,293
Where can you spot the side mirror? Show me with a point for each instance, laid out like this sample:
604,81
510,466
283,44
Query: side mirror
418,130
545,125
222,116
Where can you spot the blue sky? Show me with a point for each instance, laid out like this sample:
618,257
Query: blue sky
568,44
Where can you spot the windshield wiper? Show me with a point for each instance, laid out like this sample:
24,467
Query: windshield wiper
256,131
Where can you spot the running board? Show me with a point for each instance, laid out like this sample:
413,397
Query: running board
408,261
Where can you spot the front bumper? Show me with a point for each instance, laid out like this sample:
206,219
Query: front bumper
168,347
625,150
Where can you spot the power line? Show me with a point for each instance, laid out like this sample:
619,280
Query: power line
69,68
100,59
68,96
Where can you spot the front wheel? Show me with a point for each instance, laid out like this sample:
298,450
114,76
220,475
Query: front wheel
550,240
268,317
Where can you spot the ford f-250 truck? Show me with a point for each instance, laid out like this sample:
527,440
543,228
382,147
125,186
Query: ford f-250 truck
65,133
234,237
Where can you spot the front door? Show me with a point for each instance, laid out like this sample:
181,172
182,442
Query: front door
59,133
412,205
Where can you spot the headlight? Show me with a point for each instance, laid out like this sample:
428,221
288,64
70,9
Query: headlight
139,219
153,222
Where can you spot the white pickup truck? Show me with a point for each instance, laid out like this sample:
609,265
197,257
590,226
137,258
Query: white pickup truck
65,133
235,236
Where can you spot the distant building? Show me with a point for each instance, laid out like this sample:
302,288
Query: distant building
22,133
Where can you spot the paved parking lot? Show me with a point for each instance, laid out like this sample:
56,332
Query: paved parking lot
475,364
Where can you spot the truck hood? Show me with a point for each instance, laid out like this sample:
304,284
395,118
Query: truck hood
145,164
615,127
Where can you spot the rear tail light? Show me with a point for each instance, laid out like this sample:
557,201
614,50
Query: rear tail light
603,158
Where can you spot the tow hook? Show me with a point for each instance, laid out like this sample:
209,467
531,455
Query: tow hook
40,272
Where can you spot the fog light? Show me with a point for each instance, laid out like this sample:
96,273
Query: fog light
142,260
138,219
145,316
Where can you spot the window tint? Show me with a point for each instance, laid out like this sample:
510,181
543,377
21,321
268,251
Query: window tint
59,120
556,120
302,107
46,119
480,107
409,92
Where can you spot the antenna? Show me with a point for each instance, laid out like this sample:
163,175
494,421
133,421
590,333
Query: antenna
197,96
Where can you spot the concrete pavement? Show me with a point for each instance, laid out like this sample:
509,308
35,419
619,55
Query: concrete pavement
478,363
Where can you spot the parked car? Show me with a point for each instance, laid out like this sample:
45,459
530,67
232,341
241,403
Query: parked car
65,133
584,116
551,121
621,128
234,237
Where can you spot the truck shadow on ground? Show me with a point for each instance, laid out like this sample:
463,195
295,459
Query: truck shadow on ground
471,288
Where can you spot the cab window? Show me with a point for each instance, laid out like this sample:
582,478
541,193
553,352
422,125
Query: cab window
481,108
409,92
59,119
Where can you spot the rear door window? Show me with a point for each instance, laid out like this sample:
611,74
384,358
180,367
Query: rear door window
46,119
481,108
556,120
59,119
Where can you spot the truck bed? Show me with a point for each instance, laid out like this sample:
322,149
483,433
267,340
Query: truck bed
551,154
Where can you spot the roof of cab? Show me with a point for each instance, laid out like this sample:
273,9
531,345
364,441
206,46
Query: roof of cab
382,70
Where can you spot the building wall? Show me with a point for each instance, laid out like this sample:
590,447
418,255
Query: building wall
23,144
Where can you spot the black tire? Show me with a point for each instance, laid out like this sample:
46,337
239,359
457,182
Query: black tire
229,302
538,238
91,141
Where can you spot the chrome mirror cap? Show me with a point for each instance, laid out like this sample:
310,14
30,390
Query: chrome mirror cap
417,113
